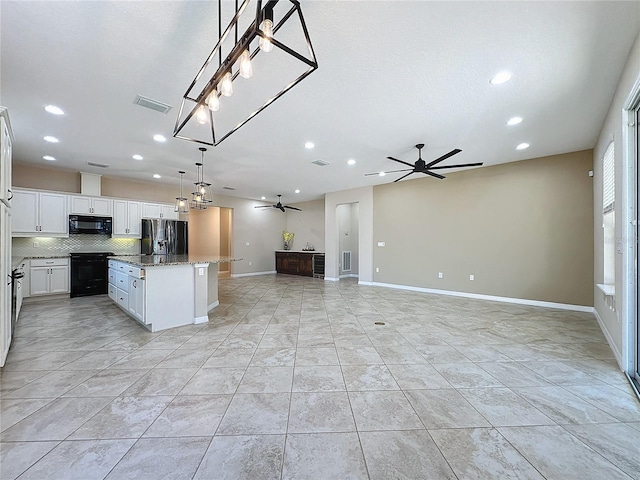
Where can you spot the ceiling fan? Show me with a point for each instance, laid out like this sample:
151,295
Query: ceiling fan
422,167
279,206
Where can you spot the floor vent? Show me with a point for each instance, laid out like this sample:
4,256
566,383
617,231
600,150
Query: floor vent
320,163
152,104
346,261
100,165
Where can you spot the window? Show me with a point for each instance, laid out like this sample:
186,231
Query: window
608,214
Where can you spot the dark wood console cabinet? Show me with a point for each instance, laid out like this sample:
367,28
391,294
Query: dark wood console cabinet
300,263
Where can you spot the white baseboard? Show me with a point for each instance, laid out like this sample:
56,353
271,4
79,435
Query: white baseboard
331,279
198,320
361,282
479,296
607,335
212,305
237,275
349,275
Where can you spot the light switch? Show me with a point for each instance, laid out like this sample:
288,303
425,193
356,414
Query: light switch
246,244
381,244
440,275
472,277
377,270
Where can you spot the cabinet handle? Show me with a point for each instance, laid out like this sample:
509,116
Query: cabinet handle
134,284
11,192
49,263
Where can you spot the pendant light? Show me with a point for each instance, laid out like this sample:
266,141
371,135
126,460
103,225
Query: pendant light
182,203
202,194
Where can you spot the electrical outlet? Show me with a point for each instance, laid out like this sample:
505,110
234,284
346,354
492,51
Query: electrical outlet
377,270
201,272
472,277
381,244
246,244
440,275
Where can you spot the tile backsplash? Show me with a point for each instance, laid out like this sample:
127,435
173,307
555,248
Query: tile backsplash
40,246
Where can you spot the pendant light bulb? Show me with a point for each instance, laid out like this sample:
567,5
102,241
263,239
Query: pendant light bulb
202,116
226,86
267,28
246,70
213,102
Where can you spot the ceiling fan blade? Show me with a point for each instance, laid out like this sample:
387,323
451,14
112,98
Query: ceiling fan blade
390,171
292,208
457,166
402,177
427,172
263,206
400,161
281,208
444,157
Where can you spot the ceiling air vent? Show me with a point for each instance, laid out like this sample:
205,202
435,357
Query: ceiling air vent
152,104
228,188
320,163
101,165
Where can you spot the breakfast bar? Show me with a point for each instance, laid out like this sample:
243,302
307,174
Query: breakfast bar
165,291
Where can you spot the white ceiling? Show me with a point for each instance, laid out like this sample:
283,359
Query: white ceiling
391,74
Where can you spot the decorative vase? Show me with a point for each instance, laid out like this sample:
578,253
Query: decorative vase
286,245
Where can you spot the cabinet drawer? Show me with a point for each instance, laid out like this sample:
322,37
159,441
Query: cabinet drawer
113,264
133,271
122,281
49,262
112,277
113,293
123,298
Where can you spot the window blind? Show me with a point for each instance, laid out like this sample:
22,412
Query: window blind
608,181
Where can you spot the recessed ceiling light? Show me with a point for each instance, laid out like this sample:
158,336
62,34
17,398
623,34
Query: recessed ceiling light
159,138
381,174
155,175
351,161
514,121
137,157
297,190
309,145
53,109
500,77
522,146
49,158
263,198
51,139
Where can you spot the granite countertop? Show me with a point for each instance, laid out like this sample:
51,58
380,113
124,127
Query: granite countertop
167,260
301,251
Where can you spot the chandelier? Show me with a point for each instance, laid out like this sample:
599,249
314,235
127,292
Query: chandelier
182,204
202,195
208,113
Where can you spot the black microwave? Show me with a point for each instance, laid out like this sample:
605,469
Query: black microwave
89,224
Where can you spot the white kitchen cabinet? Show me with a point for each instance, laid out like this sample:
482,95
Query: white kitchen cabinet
39,214
84,205
127,219
49,276
5,287
159,210
136,298
6,137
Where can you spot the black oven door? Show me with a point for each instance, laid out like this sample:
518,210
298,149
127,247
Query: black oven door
88,275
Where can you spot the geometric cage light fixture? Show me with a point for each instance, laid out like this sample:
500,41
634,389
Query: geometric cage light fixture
182,203
246,72
201,196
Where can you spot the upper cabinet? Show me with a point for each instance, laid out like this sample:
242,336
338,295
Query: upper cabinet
127,219
39,214
159,210
5,157
83,205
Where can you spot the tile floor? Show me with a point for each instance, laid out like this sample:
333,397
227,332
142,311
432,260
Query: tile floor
292,378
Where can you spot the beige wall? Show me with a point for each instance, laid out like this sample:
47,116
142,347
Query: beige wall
523,229
62,180
308,225
617,324
204,231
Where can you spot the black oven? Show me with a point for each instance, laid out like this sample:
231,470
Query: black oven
89,224
89,273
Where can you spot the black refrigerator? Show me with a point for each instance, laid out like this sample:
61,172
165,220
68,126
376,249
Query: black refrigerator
164,237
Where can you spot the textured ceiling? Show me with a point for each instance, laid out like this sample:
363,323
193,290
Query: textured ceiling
391,74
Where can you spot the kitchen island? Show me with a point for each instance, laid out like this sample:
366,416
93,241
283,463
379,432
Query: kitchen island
165,291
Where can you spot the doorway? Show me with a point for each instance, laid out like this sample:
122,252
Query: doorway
348,222
226,229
